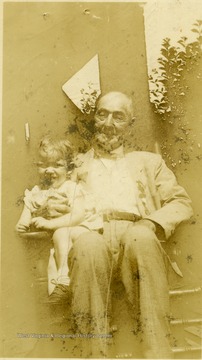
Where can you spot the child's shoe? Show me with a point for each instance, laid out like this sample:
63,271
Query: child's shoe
61,293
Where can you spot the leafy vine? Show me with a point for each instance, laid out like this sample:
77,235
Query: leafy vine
167,83
88,99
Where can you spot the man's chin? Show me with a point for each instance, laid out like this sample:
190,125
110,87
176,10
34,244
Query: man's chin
108,143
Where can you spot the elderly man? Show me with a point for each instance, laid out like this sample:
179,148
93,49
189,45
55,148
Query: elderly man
141,203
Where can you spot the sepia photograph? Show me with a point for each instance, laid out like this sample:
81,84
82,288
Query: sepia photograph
101,215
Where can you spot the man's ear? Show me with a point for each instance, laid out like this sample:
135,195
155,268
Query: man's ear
133,120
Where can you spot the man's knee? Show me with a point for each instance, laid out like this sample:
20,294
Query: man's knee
90,254
139,237
89,244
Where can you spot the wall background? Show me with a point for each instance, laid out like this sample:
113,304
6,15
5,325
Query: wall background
44,44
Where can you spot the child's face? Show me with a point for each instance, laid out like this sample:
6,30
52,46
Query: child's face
52,171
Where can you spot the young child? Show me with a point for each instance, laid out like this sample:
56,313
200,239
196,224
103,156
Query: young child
54,168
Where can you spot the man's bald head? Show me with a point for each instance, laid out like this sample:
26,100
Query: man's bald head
116,97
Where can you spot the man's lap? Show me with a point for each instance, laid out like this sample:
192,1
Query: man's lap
116,237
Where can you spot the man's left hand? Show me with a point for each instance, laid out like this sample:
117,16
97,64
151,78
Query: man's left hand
148,223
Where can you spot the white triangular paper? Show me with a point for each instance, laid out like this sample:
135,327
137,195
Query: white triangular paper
84,87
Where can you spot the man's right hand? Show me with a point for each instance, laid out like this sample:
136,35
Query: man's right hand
57,205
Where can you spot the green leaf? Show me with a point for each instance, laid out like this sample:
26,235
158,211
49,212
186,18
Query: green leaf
156,101
198,22
194,30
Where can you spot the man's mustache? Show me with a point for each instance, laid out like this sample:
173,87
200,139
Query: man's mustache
107,132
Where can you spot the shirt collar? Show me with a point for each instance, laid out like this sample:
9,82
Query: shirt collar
114,154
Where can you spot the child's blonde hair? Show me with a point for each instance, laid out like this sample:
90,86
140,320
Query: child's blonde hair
50,147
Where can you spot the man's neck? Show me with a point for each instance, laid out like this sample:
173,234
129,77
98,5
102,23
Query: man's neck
110,154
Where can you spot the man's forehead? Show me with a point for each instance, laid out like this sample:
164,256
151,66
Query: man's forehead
115,103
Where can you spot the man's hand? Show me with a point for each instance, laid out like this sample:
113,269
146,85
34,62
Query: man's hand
150,224
57,205
41,223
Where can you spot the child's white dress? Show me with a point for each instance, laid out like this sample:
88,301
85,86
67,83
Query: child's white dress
36,199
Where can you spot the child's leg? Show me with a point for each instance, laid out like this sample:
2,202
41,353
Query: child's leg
62,245
62,239
58,284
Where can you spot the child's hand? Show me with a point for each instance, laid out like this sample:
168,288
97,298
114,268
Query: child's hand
22,228
41,223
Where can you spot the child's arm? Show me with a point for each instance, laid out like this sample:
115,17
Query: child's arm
24,222
75,217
